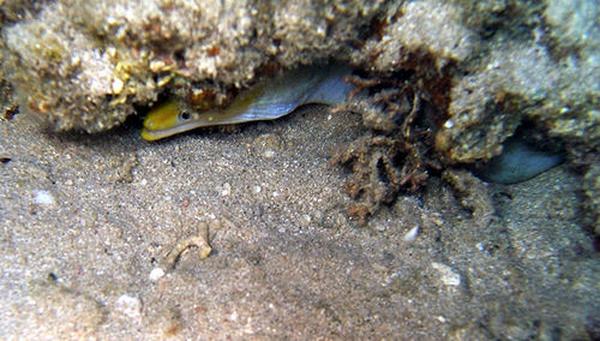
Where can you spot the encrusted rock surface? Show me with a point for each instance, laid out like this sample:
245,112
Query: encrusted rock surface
85,64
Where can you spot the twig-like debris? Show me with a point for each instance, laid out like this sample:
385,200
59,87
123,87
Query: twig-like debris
200,240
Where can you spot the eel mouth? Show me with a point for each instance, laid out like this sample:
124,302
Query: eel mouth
157,134
153,135
207,120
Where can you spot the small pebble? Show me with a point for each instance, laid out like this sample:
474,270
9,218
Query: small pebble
448,276
233,316
117,86
225,189
411,235
157,65
449,124
43,198
130,306
380,227
305,220
269,153
267,145
156,274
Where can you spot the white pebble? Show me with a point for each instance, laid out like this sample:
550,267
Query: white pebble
43,198
480,247
156,274
269,153
305,220
448,276
226,189
256,189
380,227
117,86
130,306
412,234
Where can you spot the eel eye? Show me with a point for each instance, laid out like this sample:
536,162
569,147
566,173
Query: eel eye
184,116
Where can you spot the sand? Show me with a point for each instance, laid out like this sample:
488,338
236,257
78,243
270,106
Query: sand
87,224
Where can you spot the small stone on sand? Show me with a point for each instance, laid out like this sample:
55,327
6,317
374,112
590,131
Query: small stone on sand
43,198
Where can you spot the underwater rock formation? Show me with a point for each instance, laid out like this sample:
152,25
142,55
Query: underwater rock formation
85,64
477,69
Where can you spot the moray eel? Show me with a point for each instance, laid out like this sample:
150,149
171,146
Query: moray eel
518,162
267,100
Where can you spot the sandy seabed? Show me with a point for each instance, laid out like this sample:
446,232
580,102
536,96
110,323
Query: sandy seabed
87,222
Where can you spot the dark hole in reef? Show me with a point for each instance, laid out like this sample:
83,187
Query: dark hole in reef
490,29
381,173
253,34
426,118
142,110
4,160
132,121
179,56
11,112
502,197
394,80
399,118
533,136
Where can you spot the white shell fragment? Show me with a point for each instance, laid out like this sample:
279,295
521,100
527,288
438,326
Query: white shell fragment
447,274
411,235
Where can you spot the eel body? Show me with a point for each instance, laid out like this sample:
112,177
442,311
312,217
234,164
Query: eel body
518,162
267,100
